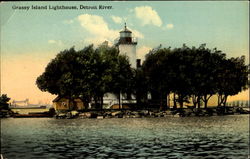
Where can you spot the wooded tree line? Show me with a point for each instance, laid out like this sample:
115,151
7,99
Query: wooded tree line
190,74
194,74
87,74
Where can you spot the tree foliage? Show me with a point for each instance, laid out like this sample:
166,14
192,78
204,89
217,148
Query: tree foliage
188,73
196,73
232,78
4,99
87,74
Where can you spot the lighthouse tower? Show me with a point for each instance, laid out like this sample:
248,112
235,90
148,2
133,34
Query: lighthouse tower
127,45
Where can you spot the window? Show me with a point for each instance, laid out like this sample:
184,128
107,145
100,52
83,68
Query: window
64,104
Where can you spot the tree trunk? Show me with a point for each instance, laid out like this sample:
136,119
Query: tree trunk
168,100
221,99
96,102
138,99
129,95
205,100
218,102
180,100
161,96
194,99
86,105
101,102
166,106
119,96
175,105
199,102
205,104
225,101
181,103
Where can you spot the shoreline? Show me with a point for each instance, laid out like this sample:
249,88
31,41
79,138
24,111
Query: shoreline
145,113
128,113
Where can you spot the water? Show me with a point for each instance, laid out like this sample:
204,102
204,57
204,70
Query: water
190,137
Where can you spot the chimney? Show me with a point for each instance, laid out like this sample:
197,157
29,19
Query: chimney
138,63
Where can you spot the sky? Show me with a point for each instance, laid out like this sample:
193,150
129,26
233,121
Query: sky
31,38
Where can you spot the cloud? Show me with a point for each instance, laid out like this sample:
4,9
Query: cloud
97,41
116,19
68,21
148,16
136,33
169,26
99,30
51,41
58,42
142,51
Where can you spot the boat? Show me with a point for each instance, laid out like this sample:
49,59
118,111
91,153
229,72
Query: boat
30,107
32,115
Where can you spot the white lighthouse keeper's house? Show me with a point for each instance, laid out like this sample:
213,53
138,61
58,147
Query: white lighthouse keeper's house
127,45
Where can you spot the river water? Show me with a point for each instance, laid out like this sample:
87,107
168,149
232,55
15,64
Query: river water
169,137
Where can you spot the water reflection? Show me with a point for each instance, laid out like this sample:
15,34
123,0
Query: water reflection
208,137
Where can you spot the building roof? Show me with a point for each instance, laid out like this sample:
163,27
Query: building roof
125,29
60,97
57,99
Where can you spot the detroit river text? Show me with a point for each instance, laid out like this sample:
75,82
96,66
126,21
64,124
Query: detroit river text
59,7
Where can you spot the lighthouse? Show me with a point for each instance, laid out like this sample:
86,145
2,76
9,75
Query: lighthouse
127,45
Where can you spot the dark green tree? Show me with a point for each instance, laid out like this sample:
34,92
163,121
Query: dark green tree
193,72
104,71
205,66
140,88
159,75
68,74
4,99
232,78
122,77
181,69
87,74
